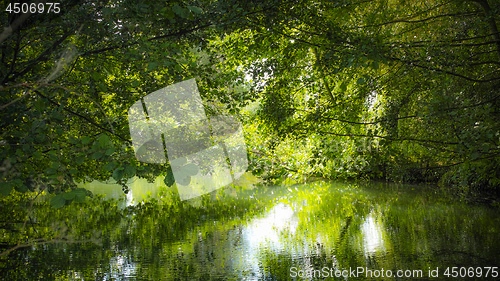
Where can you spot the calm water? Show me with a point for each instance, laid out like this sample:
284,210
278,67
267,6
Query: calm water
318,231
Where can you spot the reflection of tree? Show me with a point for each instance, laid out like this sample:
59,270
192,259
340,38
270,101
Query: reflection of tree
441,233
57,231
151,230
170,238
415,235
328,219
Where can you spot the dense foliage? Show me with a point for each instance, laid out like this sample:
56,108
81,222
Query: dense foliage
397,90
384,89
68,80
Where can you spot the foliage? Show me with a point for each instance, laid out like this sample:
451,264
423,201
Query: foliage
101,228
380,89
418,82
68,80
393,91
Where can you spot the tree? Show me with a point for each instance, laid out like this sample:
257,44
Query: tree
419,80
68,79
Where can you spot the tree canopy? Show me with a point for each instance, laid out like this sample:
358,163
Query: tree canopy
390,89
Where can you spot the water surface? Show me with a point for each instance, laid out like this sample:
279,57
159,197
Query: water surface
315,231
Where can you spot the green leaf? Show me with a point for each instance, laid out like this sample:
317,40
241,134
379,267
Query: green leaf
152,66
110,151
110,166
475,155
118,173
104,140
195,9
50,171
79,198
343,86
135,83
102,87
107,11
96,155
169,178
360,80
168,13
80,195
5,188
58,201
86,140
69,195
19,185
129,171
37,155
80,159
178,10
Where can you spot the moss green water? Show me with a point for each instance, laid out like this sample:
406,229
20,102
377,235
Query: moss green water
317,231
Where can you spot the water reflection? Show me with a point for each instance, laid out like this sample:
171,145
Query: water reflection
373,235
263,234
255,236
139,190
267,230
121,266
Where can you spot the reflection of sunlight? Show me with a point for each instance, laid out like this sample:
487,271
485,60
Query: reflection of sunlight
267,229
122,267
265,232
372,231
130,198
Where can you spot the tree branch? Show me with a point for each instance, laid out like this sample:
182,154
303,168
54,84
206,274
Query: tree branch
82,117
417,21
490,18
179,33
387,138
414,63
42,57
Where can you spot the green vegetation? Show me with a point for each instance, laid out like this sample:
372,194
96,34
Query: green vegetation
259,234
397,90
342,89
394,90
101,228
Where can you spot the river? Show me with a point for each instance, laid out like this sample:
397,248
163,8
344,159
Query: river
315,231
